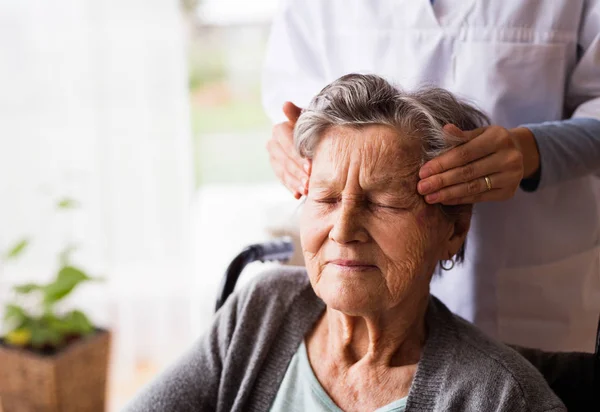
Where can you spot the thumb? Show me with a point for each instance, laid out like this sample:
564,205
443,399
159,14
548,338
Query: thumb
465,134
291,111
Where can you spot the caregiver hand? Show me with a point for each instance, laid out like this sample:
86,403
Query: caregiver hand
289,166
458,176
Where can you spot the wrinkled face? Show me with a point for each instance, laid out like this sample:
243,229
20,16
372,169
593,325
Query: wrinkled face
369,240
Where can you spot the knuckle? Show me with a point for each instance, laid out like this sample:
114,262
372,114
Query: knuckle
507,143
473,187
456,193
498,130
503,138
467,172
437,166
501,144
464,154
452,193
438,182
516,159
511,142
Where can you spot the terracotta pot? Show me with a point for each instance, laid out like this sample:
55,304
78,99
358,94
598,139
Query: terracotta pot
73,379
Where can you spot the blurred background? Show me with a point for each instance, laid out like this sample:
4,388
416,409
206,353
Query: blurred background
147,115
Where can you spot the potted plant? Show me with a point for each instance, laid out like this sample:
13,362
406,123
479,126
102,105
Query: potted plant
52,359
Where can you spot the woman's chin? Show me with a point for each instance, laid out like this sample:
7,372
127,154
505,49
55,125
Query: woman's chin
350,296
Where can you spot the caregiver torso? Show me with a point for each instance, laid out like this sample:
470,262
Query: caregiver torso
520,61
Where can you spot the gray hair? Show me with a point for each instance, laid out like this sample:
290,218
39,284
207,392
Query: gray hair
357,100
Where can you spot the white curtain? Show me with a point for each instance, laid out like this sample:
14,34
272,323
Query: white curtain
94,106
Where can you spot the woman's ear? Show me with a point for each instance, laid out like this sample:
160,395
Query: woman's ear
461,221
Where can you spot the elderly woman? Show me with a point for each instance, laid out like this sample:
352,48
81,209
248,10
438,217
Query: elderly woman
358,330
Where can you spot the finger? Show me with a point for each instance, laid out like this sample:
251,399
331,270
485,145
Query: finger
287,179
465,134
286,168
499,181
284,136
308,169
292,183
291,111
454,130
493,195
485,166
460,155
295,172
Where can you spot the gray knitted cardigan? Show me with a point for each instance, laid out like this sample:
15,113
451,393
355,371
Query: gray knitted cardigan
240,363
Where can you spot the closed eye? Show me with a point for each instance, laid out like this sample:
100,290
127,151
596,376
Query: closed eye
384,206
331,200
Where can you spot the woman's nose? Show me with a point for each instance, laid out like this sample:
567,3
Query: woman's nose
349,224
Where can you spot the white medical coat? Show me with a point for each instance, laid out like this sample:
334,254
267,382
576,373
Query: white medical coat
532,269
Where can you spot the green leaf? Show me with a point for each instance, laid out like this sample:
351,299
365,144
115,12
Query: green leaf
27,288
67,203
79,323
14,314
59,325
68,277
17,249
42,335
73,323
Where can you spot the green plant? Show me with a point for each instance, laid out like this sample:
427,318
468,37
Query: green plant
32,318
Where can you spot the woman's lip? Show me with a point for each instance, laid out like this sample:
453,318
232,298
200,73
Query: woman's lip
351,263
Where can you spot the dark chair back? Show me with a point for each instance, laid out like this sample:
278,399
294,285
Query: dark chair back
278,250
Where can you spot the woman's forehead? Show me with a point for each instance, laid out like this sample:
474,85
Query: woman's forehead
382,154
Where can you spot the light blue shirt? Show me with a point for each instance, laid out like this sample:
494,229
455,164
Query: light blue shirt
568,149
301,391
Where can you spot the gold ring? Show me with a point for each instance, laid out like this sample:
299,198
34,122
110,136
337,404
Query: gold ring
488,182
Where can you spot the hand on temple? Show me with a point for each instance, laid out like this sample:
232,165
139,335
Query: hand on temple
488,167
291,169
